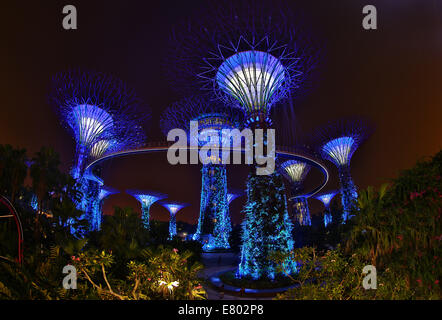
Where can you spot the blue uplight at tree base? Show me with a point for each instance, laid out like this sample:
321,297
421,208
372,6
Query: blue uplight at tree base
326,199
338,142
266,228
173,208
147,199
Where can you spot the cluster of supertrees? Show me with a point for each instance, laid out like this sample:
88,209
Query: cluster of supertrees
245,60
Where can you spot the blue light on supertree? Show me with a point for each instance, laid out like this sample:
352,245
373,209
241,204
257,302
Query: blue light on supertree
296,171
337,143
326,199
232,196
147,199
173,208
214,224
251,59
96,212
100,112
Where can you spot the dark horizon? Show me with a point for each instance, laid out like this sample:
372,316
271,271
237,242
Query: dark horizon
390,75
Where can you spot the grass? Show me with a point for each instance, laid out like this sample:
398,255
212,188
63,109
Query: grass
280,282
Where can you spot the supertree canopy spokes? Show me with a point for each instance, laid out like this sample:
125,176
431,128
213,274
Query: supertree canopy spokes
295,170
232,195
96,214
173,208
147,199
326,199
337,142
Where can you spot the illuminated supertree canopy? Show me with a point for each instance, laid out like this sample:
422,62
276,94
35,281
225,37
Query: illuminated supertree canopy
96,212
173,208
246,53
214,225
100,111
146,198
326,199
250,56
337,143
296,171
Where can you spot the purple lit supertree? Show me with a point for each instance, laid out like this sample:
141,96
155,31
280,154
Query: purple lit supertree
233,194
211,118
147,199
326,199
100,112
250,55
337,142
296,171
173,208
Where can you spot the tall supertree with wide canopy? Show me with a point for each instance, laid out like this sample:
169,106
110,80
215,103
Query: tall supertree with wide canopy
337,143
250,55
326,199
100,112
214,224
147,199
173,207
296,171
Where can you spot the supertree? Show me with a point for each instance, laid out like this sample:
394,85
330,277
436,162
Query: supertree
173,208
214,225
337,143
147,199
97,206
251,56
296,171
326,199
100,112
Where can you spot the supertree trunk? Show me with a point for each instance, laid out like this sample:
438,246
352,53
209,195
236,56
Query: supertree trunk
327,216
349,192
172,226
214,221
266,227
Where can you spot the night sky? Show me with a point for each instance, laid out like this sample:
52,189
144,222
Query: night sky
392,76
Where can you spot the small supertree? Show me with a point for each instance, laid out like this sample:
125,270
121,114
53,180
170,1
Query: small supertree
173,208
337,143
147,199
100,111
214,222
97,206
326,199
296,171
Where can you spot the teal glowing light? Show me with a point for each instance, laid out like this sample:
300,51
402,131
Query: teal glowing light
340,150
326,199
253,78
295,170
